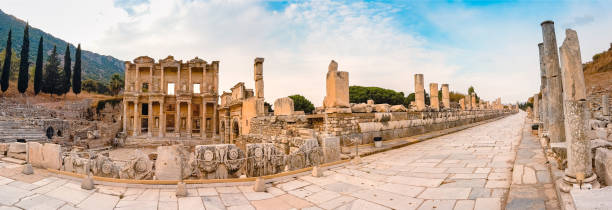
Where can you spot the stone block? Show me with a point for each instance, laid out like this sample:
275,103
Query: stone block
331,148
17,147
603,165
34,154
398,108
337,85
361,108
382,108
283,106
171,163
601,133
3,148
52,156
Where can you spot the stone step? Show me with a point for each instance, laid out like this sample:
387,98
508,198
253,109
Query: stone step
13,160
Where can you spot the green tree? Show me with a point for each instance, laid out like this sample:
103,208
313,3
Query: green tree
52,81
300,103
6,68
116,84
38,71
76,79
470,91
24,64
359,94
67,70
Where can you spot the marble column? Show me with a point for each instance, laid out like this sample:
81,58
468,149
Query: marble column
468,101
162,119
214,120
434,102
125,115
543,89
177,119
203,123
536,108
189,120
150,119
419,92
259,83
579,171
445,96
556,130
136,129
605,105
462,103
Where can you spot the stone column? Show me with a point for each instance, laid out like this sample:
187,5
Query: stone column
189,120
468,101
434,102
259,83
462,103
136,128
556,131
177,119
203,121
150,121
579,169
543,89
445,96
536,108
162,119
474,105
419,92
125,115
163,82
214,119
605,107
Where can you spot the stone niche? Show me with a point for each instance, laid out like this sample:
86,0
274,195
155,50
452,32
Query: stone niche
218,161
264,159
283,106
337,84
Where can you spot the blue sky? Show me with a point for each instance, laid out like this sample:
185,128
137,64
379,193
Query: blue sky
491,45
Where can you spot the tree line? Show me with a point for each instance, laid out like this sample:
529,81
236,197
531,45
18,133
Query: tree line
54,79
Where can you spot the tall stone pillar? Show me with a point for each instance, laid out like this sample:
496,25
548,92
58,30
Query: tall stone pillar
203,123
162,119
214,120
556,131
543,89
536,108
125,116
445,96
259,83
434,102
419,92
474,105
136,128
605,107
468,101
150,119
189,120
177,126
462,103
579,169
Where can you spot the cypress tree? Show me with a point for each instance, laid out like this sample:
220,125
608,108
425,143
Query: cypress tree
76,76
38,71
6,68
67,70
52,81
24,64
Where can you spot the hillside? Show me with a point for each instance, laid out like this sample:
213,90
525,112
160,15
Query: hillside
95,66
598,73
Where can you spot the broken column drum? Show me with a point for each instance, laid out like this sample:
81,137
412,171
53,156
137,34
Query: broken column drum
445,96
434,102
579,169
419,92
556,130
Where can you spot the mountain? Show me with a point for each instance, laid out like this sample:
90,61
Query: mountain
95,66
598,73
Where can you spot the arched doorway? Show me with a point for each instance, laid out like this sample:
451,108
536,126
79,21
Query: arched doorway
235,130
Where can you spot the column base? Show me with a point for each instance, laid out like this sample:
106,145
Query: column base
568,183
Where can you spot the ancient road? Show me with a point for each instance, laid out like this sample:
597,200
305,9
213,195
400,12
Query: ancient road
470,169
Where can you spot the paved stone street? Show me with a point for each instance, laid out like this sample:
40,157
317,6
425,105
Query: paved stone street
470,169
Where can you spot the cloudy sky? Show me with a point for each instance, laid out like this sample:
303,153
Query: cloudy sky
490,45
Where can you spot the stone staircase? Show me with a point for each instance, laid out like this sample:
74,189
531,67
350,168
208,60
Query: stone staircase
11,131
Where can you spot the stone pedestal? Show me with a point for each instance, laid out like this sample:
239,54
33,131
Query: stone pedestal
419,92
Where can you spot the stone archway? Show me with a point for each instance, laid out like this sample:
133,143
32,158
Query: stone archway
235,132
